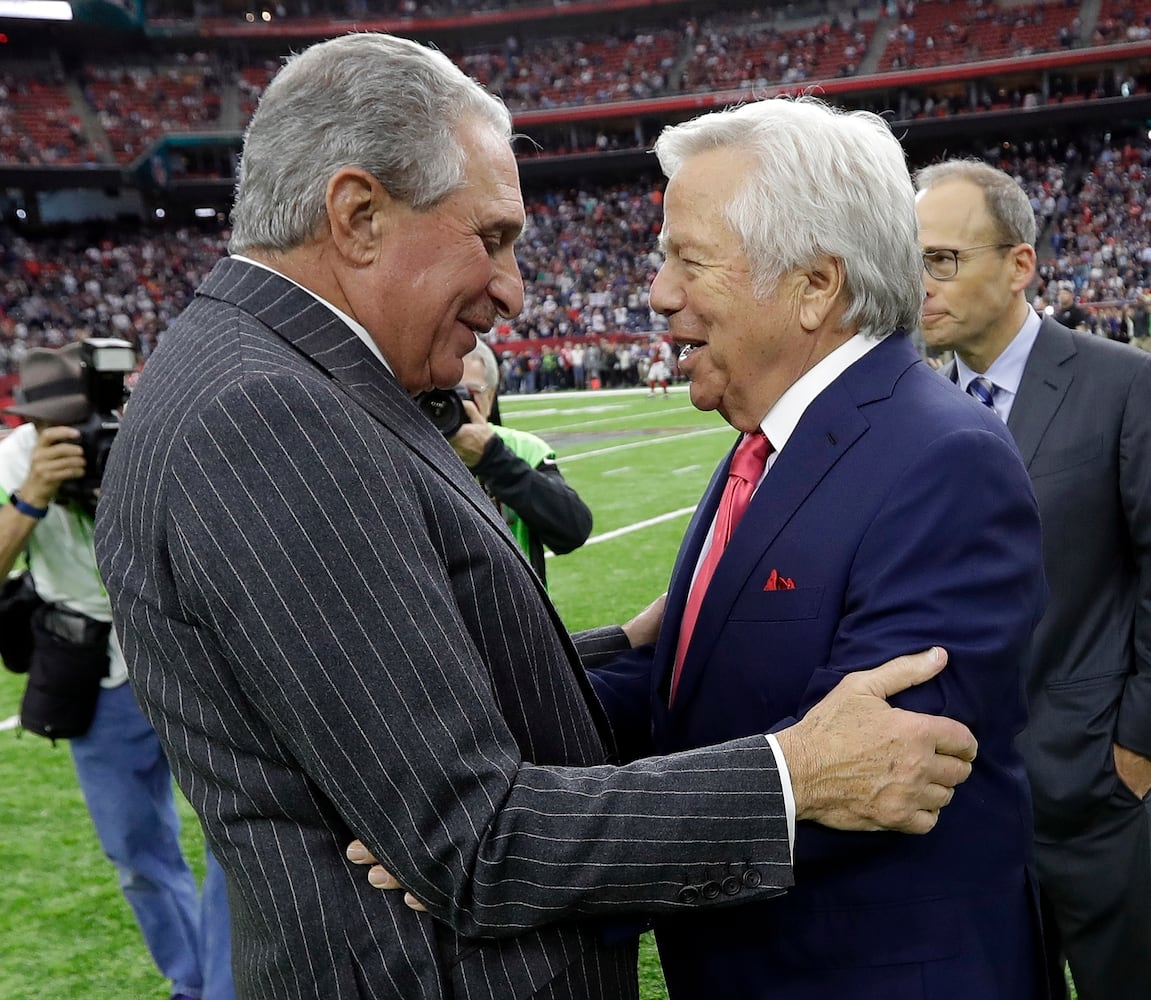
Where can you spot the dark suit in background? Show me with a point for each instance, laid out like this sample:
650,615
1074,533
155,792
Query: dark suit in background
1082,421
1081,416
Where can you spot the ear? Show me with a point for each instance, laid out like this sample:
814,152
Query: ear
820,284
357,206
1023,264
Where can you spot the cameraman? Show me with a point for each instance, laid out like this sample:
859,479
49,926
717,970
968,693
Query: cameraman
121,768
517,470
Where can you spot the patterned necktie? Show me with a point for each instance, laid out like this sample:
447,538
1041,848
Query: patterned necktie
983,389
747,466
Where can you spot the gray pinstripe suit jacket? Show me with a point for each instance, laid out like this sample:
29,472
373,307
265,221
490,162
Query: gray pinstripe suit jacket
334,634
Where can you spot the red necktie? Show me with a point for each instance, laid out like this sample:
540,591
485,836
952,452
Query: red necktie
746,469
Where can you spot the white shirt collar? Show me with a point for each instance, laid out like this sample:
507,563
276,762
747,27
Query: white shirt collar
355,327
784,416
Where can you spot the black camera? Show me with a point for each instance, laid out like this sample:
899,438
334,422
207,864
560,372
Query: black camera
445,408
105,365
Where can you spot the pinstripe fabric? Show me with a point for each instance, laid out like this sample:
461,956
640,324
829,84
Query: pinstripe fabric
335,635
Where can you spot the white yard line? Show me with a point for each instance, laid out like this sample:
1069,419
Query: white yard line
620,418
566,460
627,529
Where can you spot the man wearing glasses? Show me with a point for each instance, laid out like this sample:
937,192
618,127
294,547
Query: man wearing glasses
1079,408
517,470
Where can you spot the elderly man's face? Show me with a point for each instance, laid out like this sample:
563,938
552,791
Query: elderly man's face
443,275
745,351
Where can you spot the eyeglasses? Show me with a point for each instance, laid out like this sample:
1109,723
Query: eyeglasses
943,265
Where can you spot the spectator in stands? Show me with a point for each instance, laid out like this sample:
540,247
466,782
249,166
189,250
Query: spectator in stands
120,764
1141,322
517,470
1079,408
1068,312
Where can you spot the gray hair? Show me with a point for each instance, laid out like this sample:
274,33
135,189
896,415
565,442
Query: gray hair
1007,203
491,366
384,104
825,181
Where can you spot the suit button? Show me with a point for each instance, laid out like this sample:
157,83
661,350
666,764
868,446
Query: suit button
710,890
752,879
689,894
731,885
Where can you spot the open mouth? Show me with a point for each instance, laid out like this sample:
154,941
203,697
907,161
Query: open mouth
686,350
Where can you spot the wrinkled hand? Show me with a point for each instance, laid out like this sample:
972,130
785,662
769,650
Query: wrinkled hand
856,763
378,875
472,438
55,458
1134,770
644,627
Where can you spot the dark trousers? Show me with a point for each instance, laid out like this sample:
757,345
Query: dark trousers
1096,894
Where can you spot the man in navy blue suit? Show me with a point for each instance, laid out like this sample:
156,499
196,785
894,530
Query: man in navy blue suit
791,272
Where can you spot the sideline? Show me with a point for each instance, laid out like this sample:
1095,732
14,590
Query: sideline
627,529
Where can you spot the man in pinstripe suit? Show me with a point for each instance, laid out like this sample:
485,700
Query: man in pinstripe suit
334,634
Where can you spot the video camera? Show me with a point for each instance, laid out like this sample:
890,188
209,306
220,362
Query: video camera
105,364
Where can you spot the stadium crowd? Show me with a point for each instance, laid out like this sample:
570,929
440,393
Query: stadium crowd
588,258
112,111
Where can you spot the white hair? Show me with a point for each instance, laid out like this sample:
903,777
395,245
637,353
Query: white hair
825,181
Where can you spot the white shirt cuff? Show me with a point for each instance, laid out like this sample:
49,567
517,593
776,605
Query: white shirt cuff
788,794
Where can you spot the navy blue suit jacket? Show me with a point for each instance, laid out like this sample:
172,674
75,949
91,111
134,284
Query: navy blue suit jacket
904,516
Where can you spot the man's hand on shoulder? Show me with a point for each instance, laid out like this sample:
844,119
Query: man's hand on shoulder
856,763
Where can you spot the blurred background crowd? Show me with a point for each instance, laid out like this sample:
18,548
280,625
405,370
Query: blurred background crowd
118,134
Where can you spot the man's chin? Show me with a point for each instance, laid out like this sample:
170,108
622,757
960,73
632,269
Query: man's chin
702,399
936,336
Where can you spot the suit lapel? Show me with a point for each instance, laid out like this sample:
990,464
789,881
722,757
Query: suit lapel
1047,376
828,429
327,342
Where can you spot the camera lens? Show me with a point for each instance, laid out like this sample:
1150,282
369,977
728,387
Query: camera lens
444,408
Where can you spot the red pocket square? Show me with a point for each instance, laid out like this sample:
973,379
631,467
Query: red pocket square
777,582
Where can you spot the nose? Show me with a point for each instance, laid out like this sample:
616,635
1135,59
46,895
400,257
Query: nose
507,285
665,296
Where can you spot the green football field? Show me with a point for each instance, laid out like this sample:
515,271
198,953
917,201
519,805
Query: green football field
66,932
